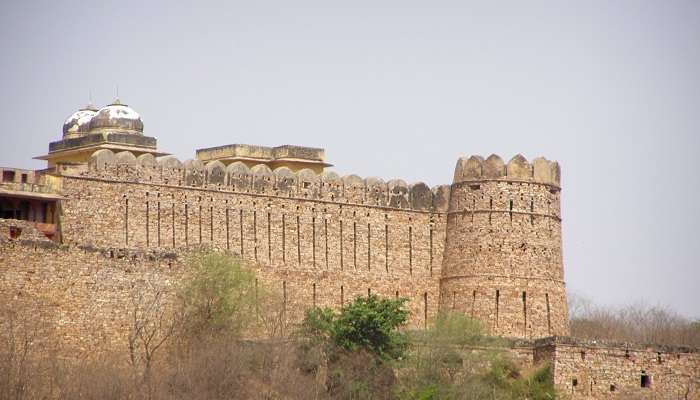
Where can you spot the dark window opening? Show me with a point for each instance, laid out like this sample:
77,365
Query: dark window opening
15,232
24,178
510,209
612,388
8,176
474,187
658,358
574,382
307,185
583,355
645,381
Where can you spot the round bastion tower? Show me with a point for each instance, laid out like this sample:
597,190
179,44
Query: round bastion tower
503,259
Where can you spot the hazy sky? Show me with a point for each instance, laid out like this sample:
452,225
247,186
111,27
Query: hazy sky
402,89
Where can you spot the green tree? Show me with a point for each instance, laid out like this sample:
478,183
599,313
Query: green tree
357,344
370,323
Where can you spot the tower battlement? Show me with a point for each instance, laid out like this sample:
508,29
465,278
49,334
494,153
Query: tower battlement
475,168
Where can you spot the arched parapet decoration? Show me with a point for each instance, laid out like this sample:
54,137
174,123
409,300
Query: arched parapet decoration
146,160
171,170
493,167
377,191
194,173
309,184
239,176
147,167
459,169
285,181
125,158
398,193
441,198
468,169
101,160
216,173
353,189
473,168
331,186
519,168
420,196
542,170
170,162
556,173
126,166
263,179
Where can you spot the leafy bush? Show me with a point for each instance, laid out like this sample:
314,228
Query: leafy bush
370,323
357,344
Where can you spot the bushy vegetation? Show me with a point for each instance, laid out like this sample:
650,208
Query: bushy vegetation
455,359
369,323
219,296
357,344
369,357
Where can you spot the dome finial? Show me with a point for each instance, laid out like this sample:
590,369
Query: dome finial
90,105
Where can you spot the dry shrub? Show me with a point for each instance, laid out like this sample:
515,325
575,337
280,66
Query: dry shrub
27,347
637,323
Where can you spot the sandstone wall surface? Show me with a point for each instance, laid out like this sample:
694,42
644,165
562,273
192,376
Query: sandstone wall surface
590,370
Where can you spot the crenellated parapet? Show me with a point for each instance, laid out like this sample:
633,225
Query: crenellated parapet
517,188
261,180
475,168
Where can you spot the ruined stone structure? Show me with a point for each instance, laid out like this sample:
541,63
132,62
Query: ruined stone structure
111,210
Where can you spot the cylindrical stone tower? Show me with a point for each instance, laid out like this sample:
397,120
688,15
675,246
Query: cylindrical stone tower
503,262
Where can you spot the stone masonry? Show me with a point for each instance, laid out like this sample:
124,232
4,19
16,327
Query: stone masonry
488,246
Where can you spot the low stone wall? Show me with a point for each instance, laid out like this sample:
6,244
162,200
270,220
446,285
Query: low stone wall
604,370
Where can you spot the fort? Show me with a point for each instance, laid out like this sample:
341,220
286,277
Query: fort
111,210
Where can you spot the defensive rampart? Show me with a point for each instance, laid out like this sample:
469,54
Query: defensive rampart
327,237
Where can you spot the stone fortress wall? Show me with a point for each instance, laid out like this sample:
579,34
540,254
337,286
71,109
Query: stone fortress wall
320,239
489,246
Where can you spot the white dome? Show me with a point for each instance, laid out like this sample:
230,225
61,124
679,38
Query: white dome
117,117
78,123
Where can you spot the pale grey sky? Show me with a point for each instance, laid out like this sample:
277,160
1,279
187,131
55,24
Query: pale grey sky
401,89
